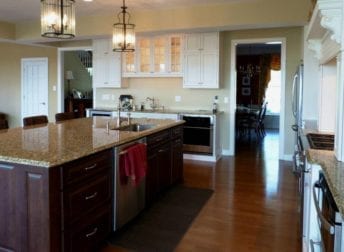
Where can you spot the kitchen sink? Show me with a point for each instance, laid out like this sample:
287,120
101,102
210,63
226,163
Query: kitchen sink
136,127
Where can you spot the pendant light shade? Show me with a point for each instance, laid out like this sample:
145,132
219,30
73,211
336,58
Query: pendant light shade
58,18
123,39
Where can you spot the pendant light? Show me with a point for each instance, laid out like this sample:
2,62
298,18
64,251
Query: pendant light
58,18
123,39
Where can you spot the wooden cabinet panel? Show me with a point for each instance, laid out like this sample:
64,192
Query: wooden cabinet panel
86,167
89,233
201,60
87,201
8,235
106,65
80,200
165,161
26,192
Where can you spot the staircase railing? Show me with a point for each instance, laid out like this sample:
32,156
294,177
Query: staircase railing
86,59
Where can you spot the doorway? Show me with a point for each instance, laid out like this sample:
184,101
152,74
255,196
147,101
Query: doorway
74,78
34,74
255,84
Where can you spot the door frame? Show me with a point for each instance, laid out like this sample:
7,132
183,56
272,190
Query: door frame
60,73
233,90
22,61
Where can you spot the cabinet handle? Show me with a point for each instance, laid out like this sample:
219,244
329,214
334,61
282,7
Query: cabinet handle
327,225
91,196
95,230
161,150
91,167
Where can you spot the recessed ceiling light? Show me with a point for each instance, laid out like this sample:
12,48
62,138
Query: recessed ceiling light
88,0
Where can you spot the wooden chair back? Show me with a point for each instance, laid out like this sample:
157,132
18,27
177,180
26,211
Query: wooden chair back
59,117
3,124
34,120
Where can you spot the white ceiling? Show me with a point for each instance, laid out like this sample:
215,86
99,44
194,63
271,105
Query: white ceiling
24,10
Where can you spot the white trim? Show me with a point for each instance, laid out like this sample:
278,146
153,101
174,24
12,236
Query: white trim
232,91
60,73
200,157
225,152
287,157
46,61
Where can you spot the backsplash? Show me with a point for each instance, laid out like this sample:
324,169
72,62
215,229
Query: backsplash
165,91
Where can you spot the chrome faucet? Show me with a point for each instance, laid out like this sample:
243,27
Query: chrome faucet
119,114
153,104
119,119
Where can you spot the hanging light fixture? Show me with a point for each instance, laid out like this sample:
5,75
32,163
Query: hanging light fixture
123,39
58,18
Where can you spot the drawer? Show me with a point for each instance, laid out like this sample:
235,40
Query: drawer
177,131
79,200
86,167
158,138
89,234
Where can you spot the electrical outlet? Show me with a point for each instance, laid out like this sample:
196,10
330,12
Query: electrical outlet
54,88
178,98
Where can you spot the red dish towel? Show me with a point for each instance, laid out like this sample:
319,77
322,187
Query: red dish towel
133,163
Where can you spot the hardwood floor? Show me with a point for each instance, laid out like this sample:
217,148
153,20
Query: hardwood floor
254,206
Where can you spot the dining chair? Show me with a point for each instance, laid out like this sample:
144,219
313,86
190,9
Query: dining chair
3,124
63,116
34,120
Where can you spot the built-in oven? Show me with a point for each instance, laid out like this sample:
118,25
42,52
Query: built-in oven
330,220
198,134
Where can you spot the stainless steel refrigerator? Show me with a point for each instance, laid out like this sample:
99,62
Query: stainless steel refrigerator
297,95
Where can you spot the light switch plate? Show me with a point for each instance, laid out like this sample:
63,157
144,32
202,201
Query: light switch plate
225,99
178,98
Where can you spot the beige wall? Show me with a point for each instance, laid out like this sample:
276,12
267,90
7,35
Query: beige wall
165,89
10,78
230,16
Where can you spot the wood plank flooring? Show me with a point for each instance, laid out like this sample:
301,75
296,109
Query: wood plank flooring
254,206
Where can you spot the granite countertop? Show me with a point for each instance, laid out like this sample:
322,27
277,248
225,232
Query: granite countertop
57,143
332,169
164,111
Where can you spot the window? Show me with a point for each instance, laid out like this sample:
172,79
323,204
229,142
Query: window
273,93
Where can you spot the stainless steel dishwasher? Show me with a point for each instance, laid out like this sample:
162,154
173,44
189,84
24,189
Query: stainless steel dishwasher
129,199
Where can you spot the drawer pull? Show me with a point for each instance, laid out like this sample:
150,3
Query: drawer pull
91,167
91,196
92,233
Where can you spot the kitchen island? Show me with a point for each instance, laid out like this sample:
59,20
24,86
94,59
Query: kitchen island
317,193
56,181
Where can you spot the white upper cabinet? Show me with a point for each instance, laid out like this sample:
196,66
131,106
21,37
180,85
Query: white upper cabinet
201,60
106,65
157,56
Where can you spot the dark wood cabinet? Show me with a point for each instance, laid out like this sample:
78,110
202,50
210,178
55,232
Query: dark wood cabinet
78,106
70,207
177,155
165,161
87,201
159,164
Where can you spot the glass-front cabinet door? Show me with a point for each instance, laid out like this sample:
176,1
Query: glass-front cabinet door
175,54
160,55
155,56
145,55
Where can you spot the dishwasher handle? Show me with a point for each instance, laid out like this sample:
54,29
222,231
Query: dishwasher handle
327,225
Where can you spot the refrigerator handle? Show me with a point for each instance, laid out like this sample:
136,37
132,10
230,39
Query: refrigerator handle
293,99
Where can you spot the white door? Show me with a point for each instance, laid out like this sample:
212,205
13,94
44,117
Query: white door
34,96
